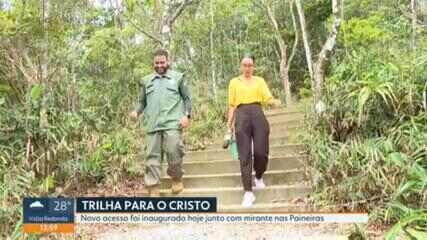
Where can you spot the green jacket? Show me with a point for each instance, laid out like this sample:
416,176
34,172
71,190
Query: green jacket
164,100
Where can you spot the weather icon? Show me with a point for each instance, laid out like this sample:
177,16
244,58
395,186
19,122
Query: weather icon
36,204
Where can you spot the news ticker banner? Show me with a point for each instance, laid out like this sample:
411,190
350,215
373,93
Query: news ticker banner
48,215
44,215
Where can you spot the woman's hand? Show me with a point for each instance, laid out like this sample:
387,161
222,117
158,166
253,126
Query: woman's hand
230,127
275,102
230,121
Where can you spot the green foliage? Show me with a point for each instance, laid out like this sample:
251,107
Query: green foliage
92,87
385,175
5,90
7,23
36,93
406,225
305,93
368,149
208,122
364,31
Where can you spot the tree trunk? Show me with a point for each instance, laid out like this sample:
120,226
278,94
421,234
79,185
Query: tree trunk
44,62
172,10
119,14
74,90
327,48
165,27
296,39
284,68
284,75
158,15
422,10
414,25
211,40
413,43
305,39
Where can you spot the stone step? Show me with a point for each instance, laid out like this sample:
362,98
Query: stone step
233,166
289,127
296,118
275,140
281,207
217,154
280,134
233,195
276,131
271,177
281,111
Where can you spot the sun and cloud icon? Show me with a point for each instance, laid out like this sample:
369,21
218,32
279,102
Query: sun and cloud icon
36,204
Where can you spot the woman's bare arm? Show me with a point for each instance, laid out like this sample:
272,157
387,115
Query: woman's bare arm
230,121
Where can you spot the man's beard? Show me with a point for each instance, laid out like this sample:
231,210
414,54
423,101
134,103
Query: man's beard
161,70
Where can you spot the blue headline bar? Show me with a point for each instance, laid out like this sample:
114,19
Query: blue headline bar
145,204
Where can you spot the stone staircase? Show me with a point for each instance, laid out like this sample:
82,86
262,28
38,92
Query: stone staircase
213,173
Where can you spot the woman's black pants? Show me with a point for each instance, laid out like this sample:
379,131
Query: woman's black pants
251,126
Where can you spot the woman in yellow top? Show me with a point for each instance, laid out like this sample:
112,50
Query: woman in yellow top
246,96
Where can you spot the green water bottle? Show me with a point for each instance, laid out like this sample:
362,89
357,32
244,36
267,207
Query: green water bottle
233,149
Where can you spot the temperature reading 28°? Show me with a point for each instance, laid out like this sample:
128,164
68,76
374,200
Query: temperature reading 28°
61,206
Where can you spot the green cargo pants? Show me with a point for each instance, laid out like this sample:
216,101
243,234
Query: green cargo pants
160,143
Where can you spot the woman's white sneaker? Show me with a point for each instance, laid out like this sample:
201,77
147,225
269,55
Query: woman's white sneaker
248,199
259,183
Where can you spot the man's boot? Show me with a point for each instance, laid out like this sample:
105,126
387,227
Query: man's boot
177,185
154,191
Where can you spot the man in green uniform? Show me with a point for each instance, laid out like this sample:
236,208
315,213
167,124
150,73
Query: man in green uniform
165,103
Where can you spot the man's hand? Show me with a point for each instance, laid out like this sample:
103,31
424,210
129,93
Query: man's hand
185,122
133,115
